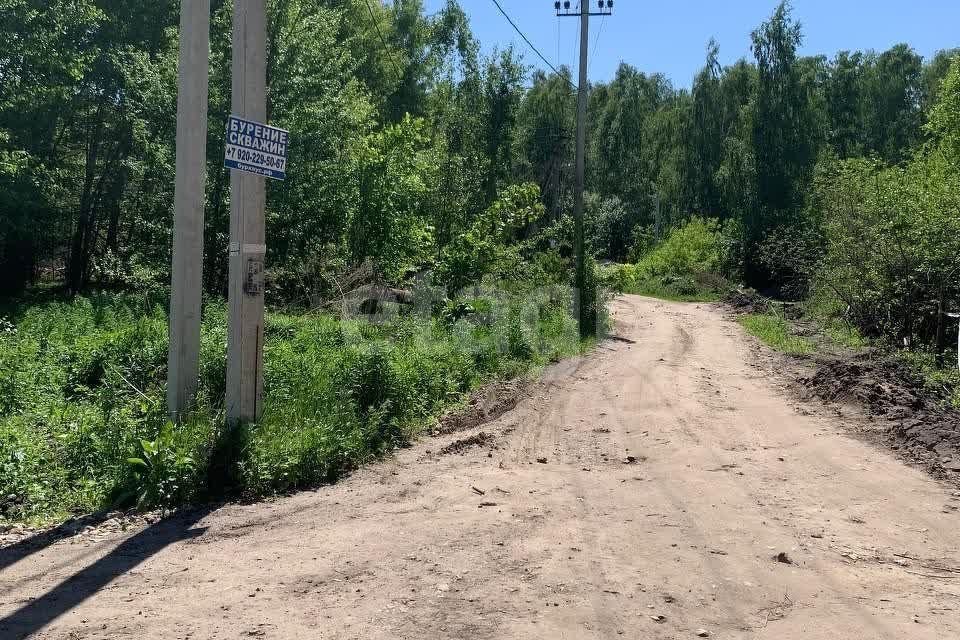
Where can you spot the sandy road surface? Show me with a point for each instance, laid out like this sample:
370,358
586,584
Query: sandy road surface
728,472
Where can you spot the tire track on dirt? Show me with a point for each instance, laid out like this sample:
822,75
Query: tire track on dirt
484,542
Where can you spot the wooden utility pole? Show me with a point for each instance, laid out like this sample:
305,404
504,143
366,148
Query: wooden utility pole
587,326
186,286
247,234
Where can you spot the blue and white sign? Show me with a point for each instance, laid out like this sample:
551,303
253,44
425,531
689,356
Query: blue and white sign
256,148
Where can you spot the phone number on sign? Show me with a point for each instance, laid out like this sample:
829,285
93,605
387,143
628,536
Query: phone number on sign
254,157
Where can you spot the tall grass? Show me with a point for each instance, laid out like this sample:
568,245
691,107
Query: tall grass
83,419
686,267
941,380
774,331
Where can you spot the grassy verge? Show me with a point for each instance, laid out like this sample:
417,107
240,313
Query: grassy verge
625,279
829,315
82,410
942,380
845,336
775,332
655,288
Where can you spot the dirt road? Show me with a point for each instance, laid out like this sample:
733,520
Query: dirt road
672,471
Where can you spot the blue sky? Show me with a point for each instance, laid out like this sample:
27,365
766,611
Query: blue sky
670,36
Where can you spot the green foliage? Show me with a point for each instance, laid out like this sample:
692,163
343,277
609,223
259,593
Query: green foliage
691,264
489,245
892,241
845,335
387,224
833,178
784,136
828,312
944,122
774,331
547,130
405,138
792,255
940,380
609,225
84,421
89,387
696,247
163,474
889,237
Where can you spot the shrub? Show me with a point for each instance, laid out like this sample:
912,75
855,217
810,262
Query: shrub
792,255
775,332
609,224
696,247
488,246
893,234
86,427
691,264
892,237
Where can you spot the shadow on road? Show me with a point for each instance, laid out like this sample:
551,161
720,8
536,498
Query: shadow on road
34,615
13,554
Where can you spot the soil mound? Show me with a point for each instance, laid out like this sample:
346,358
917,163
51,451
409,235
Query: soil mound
487,403
922,422
747,301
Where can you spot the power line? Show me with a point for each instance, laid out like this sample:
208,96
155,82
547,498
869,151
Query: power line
596,43
383,41
527,40
559,31
576,45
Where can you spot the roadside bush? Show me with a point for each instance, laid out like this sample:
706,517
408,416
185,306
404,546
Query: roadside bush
489,245
32,481
940,381
691,264
93,433
166,470
609,224
893,234
696,247
792,256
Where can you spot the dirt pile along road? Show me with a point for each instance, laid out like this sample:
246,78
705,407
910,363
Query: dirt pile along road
918,422
664,488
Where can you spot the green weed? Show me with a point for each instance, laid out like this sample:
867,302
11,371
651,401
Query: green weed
775,332
83,422
685,267
940,380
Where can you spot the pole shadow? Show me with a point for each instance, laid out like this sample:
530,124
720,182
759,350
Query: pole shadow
38,613
16,552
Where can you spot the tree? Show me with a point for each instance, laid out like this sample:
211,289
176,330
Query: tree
547,131
707,134
784,150
502,97
846,104
894,93
387,225
620,165
944,122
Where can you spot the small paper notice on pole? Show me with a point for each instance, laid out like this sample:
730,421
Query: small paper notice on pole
256,148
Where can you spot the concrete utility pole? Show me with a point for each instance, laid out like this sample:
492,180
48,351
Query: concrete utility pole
657,219
581,274
186,284
247,235
583,12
